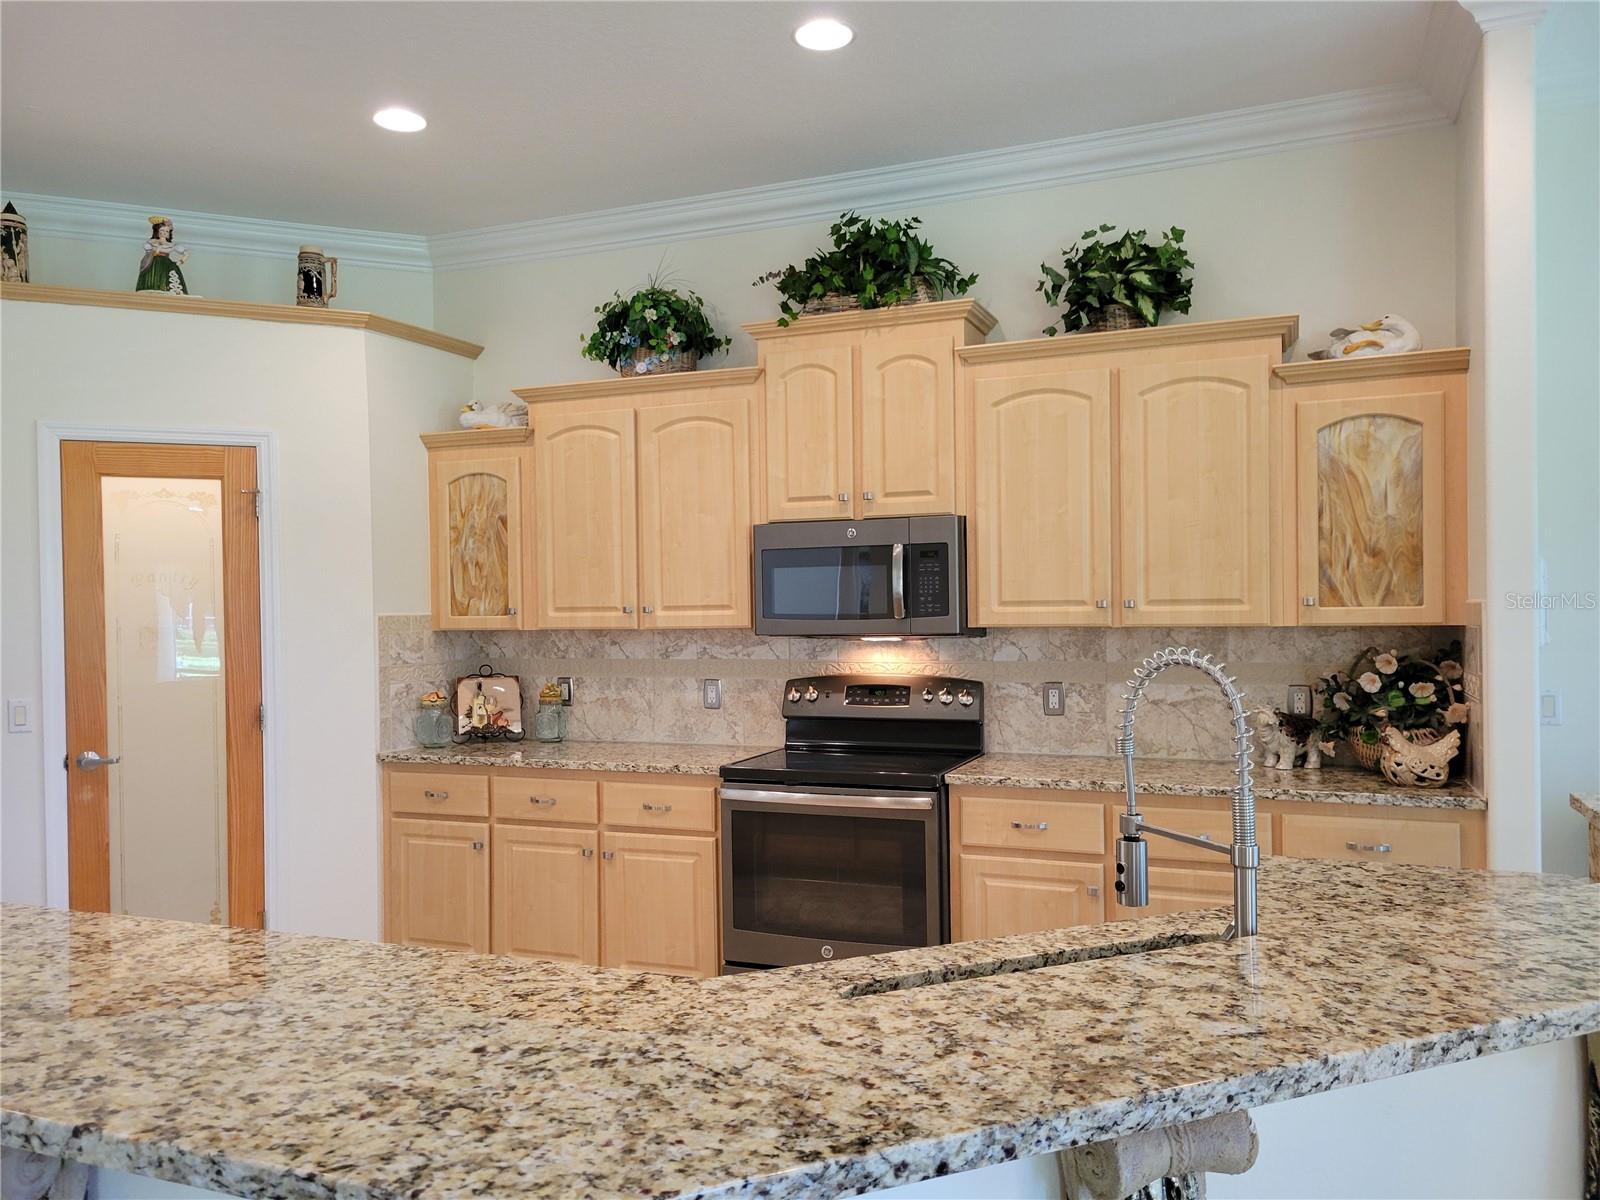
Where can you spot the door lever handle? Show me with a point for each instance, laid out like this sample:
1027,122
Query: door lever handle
90,760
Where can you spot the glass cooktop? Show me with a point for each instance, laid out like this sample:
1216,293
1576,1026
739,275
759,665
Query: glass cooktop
847,768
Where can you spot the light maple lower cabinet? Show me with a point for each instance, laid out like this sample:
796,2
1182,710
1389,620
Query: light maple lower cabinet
659,897
546,893
1005,894
437,884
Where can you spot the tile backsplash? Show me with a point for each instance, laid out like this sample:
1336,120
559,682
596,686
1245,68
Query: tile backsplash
644,685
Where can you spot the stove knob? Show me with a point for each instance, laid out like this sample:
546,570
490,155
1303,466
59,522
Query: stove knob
811,693
927,695
965,697
794,695
945,696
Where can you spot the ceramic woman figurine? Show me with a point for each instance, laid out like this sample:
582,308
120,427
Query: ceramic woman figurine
163,259
13,245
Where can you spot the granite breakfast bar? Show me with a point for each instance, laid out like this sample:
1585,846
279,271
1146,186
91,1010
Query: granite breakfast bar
282,1065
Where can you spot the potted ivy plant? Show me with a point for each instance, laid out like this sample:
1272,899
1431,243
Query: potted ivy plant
871,264
1118,283
655,330
1421,697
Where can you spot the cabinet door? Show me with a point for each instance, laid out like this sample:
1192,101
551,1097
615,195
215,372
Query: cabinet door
437,884
587,538
660,901
1196,521
477,538
1369,516
1181,889
1001,895
547,893
694,514
810,433
908,425
1041,529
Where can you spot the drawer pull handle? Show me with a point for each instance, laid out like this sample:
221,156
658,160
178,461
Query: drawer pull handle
549,801
1370,847
432,795
1039,825
648,807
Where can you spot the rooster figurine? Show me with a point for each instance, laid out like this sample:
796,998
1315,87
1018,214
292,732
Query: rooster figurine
1389,334
1415,764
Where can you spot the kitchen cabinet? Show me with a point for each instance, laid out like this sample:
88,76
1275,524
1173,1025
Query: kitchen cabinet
1003,895
1195,546
437,885
478,502
587,552
659,894
1040,527
859,411
1379,508
1374,838
546,893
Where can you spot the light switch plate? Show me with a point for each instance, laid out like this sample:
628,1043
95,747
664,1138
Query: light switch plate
19,716
711,693
1550,708
1299,699
564,682
1055,702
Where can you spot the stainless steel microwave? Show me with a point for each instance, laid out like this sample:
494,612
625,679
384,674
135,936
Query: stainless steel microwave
884,577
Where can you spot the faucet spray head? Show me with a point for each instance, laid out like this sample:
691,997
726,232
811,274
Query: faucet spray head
1133,871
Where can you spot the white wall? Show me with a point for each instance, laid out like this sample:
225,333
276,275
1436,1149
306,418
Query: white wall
1567,186
308,386
1335,233
218,275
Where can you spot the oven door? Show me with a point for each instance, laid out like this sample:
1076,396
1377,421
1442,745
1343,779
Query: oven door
832,578
810,874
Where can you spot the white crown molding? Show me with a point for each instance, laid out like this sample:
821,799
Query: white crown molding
1492,15
1449,48
1343,116
100,220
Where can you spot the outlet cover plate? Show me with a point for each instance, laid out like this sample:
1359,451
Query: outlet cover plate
711,693
1055,700
1299,699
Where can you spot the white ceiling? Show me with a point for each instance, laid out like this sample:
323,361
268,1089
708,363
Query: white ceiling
544,109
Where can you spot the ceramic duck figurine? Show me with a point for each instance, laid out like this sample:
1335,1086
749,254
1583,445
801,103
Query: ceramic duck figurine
1415,764
510,414
1389,334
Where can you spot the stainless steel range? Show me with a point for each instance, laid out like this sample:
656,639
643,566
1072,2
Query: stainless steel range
838,844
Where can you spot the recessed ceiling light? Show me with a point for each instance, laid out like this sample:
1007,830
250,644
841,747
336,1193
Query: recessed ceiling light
400,120
824,34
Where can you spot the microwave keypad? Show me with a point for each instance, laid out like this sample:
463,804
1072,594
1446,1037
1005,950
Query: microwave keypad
929,583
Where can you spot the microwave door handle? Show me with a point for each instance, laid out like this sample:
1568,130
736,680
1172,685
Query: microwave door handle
897,580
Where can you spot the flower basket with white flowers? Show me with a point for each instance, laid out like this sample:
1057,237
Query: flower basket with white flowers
653,331
1384,689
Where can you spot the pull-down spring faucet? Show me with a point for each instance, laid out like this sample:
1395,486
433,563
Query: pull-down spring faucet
1133,852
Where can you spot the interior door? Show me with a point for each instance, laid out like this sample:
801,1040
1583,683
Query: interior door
162,623
588,565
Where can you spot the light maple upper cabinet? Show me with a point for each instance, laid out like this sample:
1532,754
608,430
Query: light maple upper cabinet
694,512
1039,530
859,411
1196,499
1379,509
437,884
478,500
587,565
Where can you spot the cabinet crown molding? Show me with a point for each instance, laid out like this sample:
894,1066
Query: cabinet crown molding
643,385
1375,366
474,439
1285,327
970,311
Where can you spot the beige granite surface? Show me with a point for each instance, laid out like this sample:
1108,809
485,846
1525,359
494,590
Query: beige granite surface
649,758
1587,806
1168,777
290,1066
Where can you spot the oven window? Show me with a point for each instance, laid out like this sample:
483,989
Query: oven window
827,583
838,878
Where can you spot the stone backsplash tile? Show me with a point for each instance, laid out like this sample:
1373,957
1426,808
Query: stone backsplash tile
644,685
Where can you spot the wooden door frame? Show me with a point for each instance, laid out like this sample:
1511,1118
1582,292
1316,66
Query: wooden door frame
52,630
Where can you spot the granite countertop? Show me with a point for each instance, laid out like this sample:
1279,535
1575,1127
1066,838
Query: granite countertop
1172,777
1586,805
647,758
285,1065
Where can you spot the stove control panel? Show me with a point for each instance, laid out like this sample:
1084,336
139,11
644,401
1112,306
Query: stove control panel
875,696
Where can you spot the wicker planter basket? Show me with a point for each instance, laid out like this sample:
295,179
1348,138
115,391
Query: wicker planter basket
646,361
1113,317
838,302
1364,754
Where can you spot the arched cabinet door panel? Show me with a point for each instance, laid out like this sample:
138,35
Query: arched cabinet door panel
587,540
477,499
908,428
810,433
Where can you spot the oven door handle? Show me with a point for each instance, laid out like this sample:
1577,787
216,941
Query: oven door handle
897,579
918,801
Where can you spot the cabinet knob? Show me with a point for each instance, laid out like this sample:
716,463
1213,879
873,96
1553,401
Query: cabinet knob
432,795
867,496
608,855
1129,604
511,612
1309,601
1093,890
627,608
585,852
648,609
477,845
1102,604
844,497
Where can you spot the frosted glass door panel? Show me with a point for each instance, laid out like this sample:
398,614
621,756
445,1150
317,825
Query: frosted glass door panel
165,701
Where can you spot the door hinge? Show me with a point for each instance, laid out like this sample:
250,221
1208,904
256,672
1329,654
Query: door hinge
261,717
258,496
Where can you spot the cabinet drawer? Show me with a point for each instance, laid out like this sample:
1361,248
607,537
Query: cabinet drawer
521,796
1372,839
1013,823
438,795
648,804
1215,824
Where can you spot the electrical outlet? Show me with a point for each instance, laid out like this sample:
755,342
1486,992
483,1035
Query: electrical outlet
711,693
1299,700
1055,704
564,682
